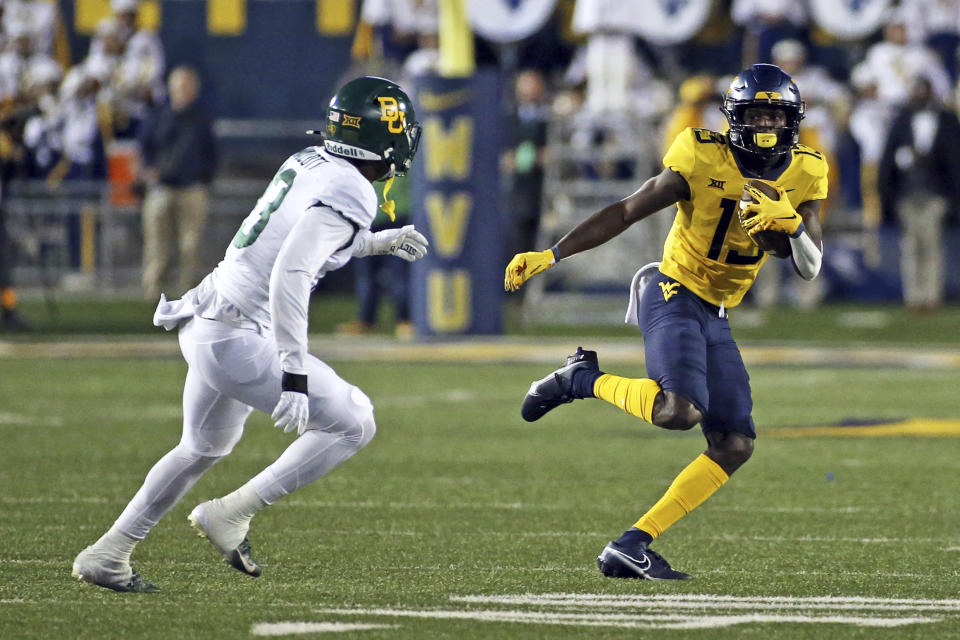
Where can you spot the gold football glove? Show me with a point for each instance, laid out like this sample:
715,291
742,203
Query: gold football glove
525,265
768,214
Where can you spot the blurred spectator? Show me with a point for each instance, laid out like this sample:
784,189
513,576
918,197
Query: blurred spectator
919,178
827,101
523,161
179,161
699,107
767,22
39,17
609,59
395,29
80,135
138,81
42,132
136,59
894,63
869,122
142,43
376,276
935,23
15,59
10,319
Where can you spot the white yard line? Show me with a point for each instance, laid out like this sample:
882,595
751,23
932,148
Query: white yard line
22,420
295,628
372,504
635,621
705,601
829,539
748,509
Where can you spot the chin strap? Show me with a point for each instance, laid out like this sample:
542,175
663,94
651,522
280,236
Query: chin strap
389,206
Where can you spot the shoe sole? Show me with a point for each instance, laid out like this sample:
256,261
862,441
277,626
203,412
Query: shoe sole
234,558
531,394
145,587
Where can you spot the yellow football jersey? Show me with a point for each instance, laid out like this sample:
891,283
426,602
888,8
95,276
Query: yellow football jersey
707,250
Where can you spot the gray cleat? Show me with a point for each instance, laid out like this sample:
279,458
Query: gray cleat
99,569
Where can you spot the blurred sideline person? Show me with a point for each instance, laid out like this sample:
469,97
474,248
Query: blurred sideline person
767,21
895,62
919,179
179,160
696,372
869,122
243,333
699,107
522,162
379,275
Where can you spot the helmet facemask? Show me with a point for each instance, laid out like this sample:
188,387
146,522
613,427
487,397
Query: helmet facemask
764,141
401,156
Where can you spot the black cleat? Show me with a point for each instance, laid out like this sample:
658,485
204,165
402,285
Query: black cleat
242,560
638,562
556,388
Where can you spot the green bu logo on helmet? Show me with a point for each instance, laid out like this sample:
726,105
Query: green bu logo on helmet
372,118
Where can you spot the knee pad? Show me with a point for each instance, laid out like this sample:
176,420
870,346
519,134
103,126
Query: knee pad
212,442
351,419
367,429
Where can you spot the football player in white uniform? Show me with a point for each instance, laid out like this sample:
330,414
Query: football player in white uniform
243,333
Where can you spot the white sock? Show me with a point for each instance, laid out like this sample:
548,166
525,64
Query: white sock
116,544
243,503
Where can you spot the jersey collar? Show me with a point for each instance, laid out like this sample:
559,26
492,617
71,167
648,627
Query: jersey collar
771,173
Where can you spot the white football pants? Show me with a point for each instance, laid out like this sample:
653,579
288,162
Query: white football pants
232,372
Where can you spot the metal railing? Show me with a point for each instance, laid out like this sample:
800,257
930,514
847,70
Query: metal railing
76,238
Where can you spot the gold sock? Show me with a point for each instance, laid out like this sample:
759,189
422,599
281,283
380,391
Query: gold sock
633,395
695,484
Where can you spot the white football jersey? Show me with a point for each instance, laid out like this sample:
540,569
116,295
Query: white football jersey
308,179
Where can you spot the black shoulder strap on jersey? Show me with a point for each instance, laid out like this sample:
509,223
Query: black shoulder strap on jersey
353,223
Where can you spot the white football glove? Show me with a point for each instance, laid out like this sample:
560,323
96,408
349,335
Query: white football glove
406,243
291,412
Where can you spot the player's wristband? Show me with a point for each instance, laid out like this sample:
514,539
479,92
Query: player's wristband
294,382
553,250
799,231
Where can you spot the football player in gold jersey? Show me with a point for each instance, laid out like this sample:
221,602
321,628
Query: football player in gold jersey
696,373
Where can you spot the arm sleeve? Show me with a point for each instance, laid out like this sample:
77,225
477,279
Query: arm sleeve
318,234
363,246
807,256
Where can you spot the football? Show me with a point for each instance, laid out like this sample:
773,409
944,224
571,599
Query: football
772,242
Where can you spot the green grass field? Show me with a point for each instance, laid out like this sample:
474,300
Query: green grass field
458,505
